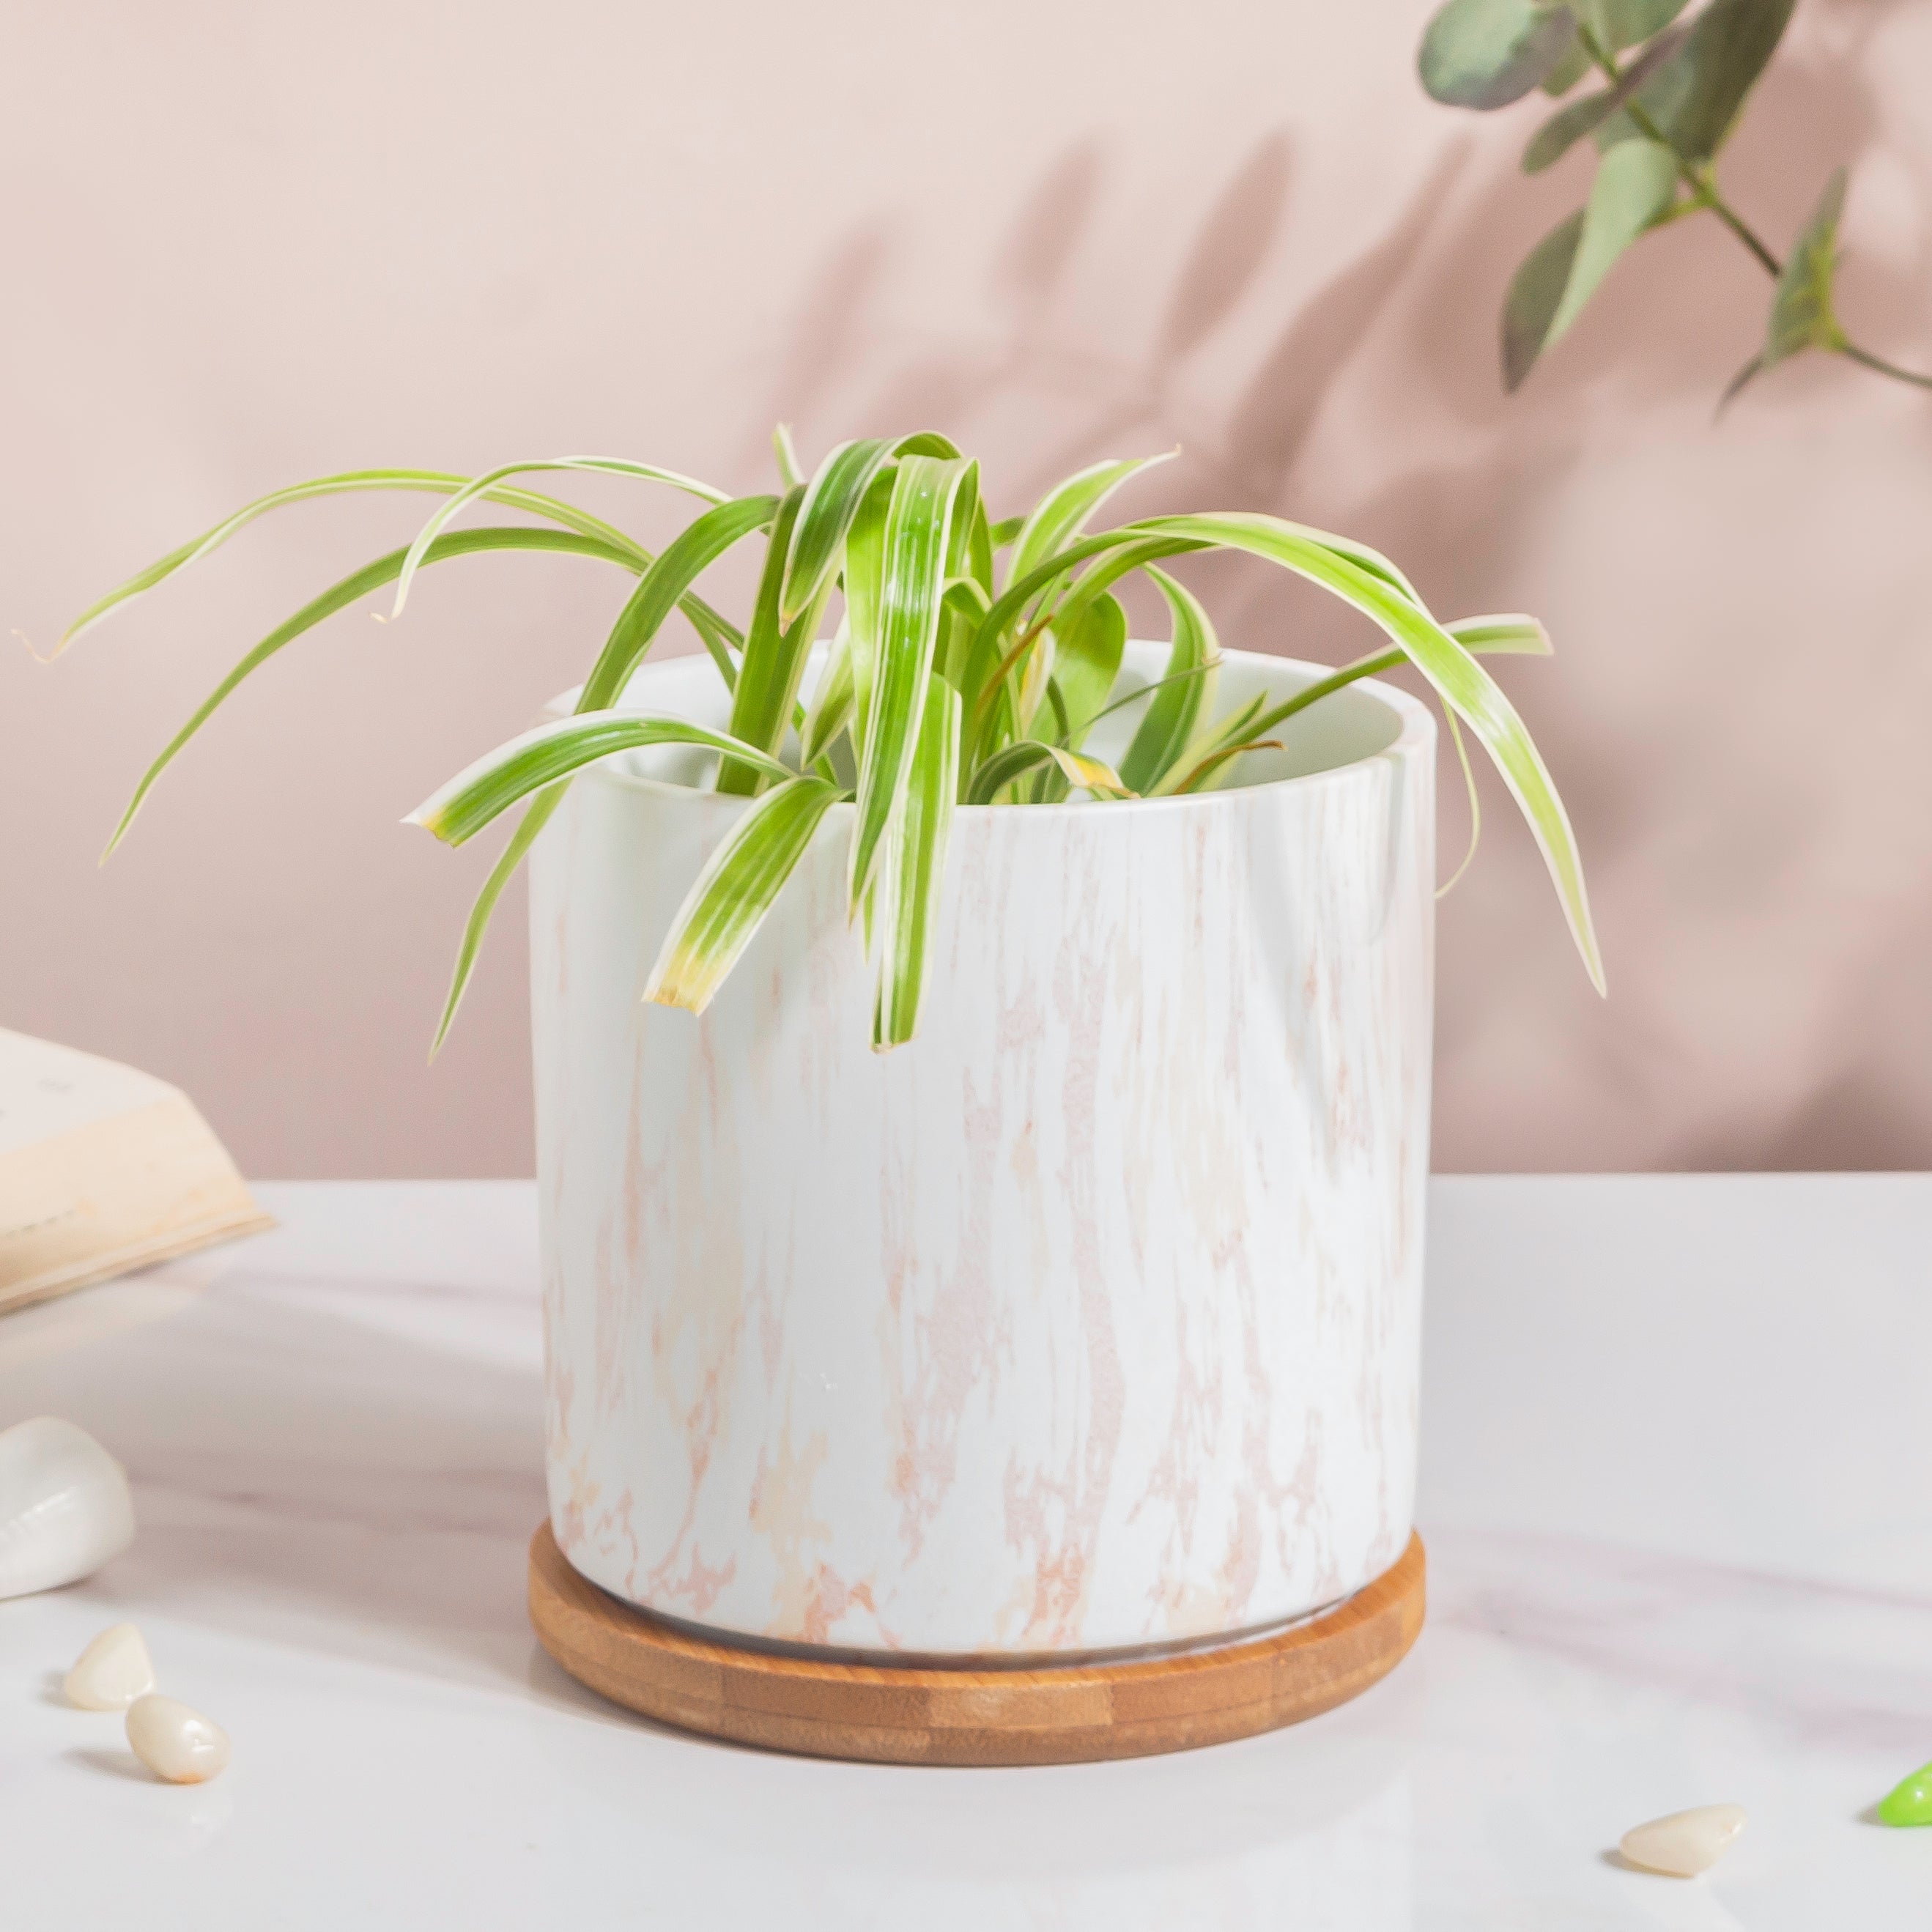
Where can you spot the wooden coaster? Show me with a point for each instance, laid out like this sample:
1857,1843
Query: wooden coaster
1069,1713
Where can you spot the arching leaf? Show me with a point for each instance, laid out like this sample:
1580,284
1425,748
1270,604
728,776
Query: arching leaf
737,887
538,758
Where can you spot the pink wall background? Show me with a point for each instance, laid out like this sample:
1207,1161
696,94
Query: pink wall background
245,245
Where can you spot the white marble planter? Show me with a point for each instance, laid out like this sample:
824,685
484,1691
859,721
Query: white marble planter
1089,1321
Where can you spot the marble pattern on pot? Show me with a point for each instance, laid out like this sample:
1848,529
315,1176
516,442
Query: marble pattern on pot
1089,1320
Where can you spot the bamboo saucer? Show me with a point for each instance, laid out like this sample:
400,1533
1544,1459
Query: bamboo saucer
1068,1714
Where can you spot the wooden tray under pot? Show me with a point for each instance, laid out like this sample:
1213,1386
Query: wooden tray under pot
1066,1714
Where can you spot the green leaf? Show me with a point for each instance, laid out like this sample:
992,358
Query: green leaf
349,481
1535,292
1512,635
662,589
351,590
1455,673
737,887
1059,516
775,656
1747,374
831,702
916,870
1486,53
700,544
1028,754
1207,772
1570,68
1636,182
1208,748
1455,878
911,570
1695,96
536,815
865,597
832,501
786,453
1174,711
962,609
1087,652
1618,24
1801,315
457,812
481,486
1562,130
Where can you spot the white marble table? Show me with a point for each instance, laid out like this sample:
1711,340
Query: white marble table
1678,1491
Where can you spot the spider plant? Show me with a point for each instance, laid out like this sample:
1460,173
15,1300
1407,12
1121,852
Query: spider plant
970,660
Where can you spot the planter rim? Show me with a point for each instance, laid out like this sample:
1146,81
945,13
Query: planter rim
1416,721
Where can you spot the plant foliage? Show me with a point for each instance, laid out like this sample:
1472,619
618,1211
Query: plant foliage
970,661
1672,92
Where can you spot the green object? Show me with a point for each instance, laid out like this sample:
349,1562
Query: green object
1673,92
1486,53
1910,1802
949,682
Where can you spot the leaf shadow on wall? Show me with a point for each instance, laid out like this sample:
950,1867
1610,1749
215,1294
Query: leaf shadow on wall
1373,404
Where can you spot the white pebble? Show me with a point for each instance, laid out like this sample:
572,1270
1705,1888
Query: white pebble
175,1742
112,1672
1686,1842
65,1508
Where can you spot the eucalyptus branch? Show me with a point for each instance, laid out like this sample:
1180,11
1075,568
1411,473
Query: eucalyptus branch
1667,108
1702,181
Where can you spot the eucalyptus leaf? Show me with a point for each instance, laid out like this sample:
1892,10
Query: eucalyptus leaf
1636,182
1801,315
1487,53
1535,294
1694,97
1575,64
1563,129
1618,24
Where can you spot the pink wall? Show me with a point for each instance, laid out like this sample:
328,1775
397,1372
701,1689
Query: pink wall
245,245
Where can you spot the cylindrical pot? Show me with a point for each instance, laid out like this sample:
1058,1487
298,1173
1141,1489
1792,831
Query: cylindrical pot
1087,1322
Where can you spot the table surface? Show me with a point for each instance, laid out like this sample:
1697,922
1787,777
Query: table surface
1677,1489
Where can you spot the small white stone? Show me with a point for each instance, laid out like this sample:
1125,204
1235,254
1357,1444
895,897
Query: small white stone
175,1742
112,1672
65,1507
1686,1842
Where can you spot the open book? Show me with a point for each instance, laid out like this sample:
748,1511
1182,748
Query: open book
103,1169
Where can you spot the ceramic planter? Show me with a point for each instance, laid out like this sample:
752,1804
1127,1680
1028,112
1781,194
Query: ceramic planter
1087,1322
